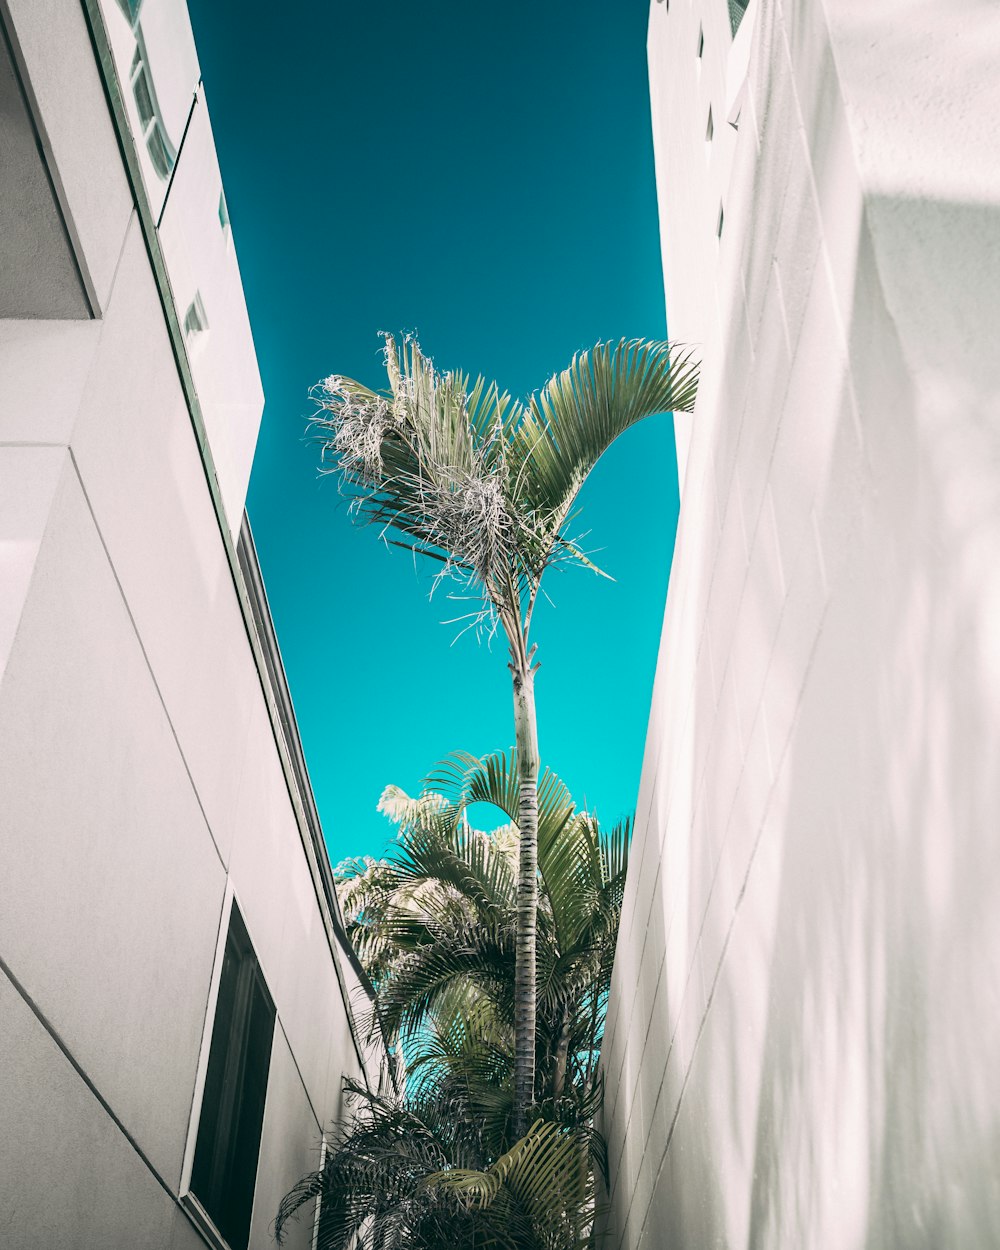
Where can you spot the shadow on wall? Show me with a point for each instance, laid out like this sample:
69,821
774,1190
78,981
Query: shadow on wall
877,1123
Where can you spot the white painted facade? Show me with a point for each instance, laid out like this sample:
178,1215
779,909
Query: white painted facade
802,1037
150,769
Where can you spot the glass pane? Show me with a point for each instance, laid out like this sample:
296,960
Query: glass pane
161,150
131,9
140,87
195,319
232,1113
163,161
250,1119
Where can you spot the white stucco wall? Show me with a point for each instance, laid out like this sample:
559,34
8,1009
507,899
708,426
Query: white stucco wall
202,264
142,781
171,58
197,245
803,1024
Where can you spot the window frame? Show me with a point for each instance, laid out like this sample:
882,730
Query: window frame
152,130
737,12
189,1200
194,327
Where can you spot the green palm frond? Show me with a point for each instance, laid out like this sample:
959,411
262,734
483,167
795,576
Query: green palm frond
545,1176
427,459
447,851
462,1052
614,853
478,482
463,779
371,1181
421,1173
435,921
579,413
569,865
569,856
479,955
584,873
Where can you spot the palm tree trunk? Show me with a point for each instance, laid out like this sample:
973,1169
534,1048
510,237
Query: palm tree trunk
562,1055
594,1057
526,734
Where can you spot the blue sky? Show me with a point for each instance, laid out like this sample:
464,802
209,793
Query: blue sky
481,175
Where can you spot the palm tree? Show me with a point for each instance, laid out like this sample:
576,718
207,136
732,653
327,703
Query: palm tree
435,926
485,486
434,923
421,1173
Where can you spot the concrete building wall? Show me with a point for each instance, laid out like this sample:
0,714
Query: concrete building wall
801,1037
149,766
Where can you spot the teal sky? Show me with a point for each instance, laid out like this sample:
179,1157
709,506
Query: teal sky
481,175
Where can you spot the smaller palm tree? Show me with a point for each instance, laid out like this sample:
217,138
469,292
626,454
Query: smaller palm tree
435,923
444,1163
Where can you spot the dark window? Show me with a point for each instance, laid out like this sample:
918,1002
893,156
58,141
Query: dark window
195,319
736,10
161,150
232,1111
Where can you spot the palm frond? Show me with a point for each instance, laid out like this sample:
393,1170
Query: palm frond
463,779
428,459
579,412
576,417
482,484
545,1175
421,978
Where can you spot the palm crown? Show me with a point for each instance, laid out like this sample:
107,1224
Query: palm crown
482,483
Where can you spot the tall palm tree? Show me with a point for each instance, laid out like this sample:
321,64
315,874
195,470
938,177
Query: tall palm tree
485,486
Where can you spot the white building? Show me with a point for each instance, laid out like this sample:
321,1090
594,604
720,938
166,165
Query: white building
802,1038
175,985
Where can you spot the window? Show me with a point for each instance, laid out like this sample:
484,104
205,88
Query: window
720,223
130,8
710,128
195,319
232,1111
701,43
223,212
736,10
161,151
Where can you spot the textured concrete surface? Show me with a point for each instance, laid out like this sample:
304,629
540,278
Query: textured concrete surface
805,1010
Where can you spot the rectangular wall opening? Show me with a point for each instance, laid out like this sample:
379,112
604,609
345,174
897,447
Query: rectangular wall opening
224,1174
